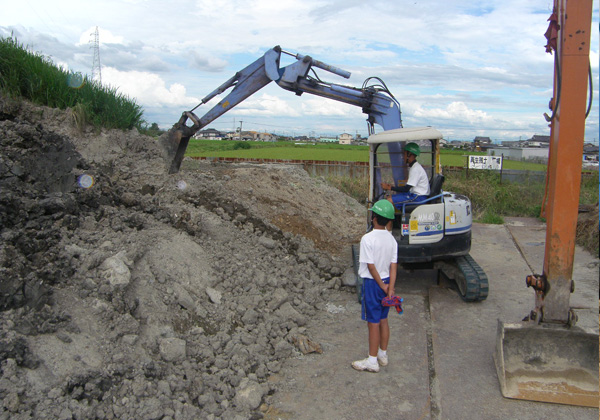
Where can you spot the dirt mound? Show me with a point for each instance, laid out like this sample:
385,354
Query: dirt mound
129,293
587,228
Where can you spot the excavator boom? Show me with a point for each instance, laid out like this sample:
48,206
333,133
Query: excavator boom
376,101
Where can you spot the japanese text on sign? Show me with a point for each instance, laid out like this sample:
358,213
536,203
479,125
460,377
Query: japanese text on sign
485,162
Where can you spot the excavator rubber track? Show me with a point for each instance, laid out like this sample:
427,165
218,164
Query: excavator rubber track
472,282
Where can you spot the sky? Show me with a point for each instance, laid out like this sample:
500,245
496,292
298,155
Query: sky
466,68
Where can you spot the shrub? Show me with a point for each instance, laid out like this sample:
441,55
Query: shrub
241,145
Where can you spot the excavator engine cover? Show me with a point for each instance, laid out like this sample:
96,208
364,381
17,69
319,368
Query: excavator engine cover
548,363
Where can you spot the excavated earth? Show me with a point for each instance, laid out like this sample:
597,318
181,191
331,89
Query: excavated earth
153,296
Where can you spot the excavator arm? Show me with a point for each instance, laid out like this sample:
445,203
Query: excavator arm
546,357
375,100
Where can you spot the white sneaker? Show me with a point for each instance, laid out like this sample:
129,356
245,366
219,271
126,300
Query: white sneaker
383,360
366,365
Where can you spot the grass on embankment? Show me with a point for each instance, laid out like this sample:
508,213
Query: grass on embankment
32,76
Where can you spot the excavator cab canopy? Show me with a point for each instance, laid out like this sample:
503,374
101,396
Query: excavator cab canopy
386,155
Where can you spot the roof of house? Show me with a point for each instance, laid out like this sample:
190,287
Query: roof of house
541,139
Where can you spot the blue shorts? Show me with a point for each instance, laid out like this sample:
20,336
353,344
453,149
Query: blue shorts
372,309
409,197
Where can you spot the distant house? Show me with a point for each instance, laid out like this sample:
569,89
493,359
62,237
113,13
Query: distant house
209,134
538,141
345,138
265,137
481,143
590,148
459,144
512,143
590,156
243,136
539,154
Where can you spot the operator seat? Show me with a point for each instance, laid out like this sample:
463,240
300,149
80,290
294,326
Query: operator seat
435,185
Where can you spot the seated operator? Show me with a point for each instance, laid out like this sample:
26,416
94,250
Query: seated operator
417,185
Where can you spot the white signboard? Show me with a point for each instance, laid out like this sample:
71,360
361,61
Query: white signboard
485,162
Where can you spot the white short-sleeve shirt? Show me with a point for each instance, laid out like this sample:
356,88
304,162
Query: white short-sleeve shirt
377,247
417,178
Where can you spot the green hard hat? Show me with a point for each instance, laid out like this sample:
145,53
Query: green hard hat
384,208
413,148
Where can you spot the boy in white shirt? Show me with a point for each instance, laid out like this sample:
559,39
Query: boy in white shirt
378,266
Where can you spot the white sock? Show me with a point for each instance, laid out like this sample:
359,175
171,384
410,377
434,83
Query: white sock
372,359
382,353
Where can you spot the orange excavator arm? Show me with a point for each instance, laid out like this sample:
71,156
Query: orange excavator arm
567,133
546,357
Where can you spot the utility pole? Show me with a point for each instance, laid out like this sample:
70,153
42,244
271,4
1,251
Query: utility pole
241,122
96,67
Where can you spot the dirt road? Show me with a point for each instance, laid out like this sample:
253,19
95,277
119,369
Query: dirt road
441,350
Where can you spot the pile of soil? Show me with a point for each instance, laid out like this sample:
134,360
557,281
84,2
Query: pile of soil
129,293
587,228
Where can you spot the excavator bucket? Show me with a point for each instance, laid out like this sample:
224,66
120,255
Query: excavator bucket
547,363
175,141
170,144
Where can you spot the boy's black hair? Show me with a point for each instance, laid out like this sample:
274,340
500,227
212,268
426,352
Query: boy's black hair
380,219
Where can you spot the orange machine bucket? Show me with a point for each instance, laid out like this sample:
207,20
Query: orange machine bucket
548,363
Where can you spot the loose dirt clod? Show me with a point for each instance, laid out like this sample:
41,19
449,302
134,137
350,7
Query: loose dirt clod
130,293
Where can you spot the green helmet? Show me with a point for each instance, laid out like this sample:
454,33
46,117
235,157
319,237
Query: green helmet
384,208
413,148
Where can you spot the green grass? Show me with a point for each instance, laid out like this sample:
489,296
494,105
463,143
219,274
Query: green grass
357,188
278,150
32,76
338,152
491,199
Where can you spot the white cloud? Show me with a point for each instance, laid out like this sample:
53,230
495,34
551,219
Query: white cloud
148,89
457,111
312,106
266,105
104,37
208,63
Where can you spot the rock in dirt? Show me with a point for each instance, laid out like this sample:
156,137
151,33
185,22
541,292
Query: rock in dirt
305,344
115,270
249,395
172,349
